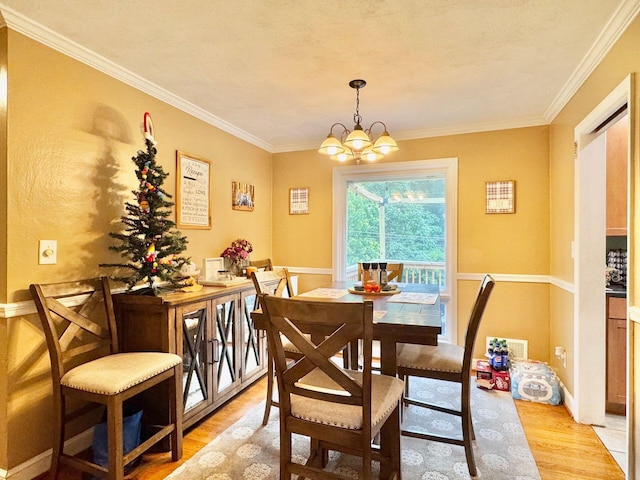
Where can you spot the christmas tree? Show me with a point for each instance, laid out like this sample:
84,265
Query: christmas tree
148,241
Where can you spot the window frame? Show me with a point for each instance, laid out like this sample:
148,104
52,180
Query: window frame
448,167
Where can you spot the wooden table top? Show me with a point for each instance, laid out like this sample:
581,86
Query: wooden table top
411,316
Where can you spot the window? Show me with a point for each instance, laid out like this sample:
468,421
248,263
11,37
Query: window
400,212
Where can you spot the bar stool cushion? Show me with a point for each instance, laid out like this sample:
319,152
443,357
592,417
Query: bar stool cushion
386,391
442,358
105,375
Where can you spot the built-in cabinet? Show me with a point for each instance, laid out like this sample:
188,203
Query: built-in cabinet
616,354
212,330
617,166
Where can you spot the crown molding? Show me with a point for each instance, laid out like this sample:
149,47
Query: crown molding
616,26
480,127
614,29
48,37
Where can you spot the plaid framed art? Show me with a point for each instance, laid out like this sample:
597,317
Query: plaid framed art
298,201
501,196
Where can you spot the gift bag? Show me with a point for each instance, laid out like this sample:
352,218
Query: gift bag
132,427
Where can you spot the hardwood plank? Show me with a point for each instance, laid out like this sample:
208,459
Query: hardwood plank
562,448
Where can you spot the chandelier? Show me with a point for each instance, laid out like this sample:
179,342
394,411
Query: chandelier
358,143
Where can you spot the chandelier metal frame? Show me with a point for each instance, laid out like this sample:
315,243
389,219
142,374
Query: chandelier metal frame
358,143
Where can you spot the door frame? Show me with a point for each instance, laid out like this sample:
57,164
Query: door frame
589,270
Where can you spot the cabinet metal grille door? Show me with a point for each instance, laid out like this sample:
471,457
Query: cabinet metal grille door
252,354
226,320
194,327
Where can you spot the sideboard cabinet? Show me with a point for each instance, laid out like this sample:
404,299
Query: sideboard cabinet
212,330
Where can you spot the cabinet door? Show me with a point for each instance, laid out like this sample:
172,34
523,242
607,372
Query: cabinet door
616,355
617,166
227,371
253,341
196,355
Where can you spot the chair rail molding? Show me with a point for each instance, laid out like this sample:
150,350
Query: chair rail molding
27,307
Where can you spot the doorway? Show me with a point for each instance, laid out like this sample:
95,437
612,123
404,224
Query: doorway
590,261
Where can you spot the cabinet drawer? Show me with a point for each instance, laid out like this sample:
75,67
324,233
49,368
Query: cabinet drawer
617,307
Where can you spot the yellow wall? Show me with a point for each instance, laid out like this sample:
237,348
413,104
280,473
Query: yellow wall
67,179
73,131
504,244
615,67
3,239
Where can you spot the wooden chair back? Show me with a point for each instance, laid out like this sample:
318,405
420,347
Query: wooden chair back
394,271
337,324
484,292
78,322
273,282
264,264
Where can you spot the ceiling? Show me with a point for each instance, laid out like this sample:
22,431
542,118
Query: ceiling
276,72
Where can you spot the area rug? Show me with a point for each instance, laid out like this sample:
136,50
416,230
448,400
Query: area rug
247,450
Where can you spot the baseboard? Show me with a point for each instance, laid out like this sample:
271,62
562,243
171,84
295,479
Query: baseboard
40,464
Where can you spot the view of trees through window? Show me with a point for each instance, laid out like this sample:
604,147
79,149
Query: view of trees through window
397,221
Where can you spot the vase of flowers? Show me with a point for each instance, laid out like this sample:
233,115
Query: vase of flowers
236,256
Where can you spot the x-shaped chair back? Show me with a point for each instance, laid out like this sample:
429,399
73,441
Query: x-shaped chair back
80,329
264,264
329,327
274,282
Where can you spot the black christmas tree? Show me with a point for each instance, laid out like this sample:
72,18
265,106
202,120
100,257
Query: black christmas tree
149,240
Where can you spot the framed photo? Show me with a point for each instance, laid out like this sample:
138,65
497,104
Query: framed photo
501,196
193,191
242,196
211,267
298,201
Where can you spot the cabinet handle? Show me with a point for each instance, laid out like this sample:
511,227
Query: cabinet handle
214,351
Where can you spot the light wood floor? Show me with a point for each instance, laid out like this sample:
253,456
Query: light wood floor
562,448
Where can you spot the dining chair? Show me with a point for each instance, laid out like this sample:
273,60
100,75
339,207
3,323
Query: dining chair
451,363
338,409
86,367
394,271
274,282
264,264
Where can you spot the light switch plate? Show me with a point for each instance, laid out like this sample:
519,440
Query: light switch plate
47,252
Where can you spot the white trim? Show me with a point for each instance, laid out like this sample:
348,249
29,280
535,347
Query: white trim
24,25
506,277
306,270
589,243
27,307
614,29
40,463
563,284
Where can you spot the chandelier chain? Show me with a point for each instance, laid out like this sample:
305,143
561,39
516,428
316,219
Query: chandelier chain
356,116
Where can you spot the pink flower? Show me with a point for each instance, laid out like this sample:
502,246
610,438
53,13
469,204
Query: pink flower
238,250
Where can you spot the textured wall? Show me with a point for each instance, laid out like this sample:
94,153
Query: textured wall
72,133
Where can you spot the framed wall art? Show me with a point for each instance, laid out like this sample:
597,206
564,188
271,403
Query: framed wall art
193,191
501,197
211,267
242,196
298,201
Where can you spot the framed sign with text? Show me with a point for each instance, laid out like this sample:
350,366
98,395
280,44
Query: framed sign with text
193,191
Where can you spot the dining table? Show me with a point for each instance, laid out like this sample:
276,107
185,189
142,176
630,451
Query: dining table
410,314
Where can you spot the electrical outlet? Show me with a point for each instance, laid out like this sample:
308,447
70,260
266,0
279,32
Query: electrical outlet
48,252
